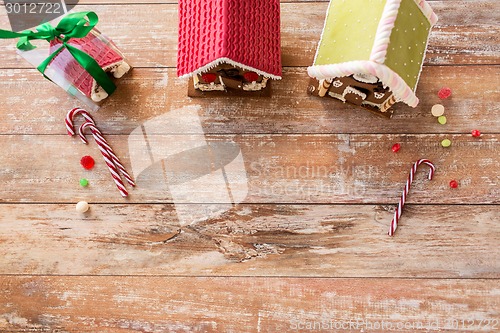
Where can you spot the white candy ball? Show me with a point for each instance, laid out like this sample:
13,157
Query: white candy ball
82,207
437,110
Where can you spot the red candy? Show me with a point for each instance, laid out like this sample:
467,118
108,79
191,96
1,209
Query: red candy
476,133
396,147
87,162
251,76
453,184
444,93
209,77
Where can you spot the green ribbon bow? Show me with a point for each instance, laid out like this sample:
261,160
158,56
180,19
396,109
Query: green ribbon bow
75,25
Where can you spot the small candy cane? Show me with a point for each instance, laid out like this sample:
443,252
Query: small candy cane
71,115
402,201
101,141
107,158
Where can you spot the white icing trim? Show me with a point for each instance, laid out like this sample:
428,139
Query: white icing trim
228,61
399,88
352,90
255,86
337,83
337,96
380,107
365,78
384,31
208,86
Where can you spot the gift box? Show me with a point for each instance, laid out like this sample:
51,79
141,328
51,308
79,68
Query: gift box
75,56
371,52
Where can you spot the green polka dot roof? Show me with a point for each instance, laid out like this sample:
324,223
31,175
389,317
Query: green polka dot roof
350,30
408,42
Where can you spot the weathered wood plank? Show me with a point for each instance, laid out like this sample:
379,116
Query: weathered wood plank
468,36
258,240
269,168
32,105
156,304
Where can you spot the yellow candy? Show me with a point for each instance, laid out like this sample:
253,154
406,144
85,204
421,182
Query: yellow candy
442,120
446,143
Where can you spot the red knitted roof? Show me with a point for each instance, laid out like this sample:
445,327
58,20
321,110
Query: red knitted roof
242,32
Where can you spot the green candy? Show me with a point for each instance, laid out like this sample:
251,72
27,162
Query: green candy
84,182
446,143
442,120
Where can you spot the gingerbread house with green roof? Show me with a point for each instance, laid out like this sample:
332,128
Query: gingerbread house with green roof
371,52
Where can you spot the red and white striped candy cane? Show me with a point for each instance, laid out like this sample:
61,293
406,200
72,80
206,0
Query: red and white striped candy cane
108,159
71,115
101,141
402,201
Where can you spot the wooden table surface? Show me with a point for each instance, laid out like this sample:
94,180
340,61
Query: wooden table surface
307,248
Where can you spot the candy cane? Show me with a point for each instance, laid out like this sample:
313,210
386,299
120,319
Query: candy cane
107,158
402,201
70,127
71,115
101,141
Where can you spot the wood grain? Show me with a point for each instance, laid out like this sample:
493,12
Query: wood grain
155,45
157,304
432,241
149,93
279,169
308,245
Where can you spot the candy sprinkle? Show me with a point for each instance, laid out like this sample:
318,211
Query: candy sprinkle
446,143
437,110
442,120
444,93
84,182
453,184
87,162
396,147
476,133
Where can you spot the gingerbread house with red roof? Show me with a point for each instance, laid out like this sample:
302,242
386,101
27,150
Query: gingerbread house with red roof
229,44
